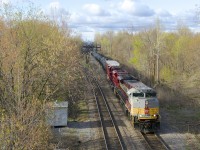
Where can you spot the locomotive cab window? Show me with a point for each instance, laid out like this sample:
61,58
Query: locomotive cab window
138,94
151,94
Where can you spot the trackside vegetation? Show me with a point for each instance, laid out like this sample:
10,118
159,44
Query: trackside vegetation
167,61
39,62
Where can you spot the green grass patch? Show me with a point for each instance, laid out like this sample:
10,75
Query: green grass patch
83,109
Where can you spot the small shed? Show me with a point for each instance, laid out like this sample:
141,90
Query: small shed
57,114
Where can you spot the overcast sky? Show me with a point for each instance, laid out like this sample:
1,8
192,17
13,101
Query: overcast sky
90,16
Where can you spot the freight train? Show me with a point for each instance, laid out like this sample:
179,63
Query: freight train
139,101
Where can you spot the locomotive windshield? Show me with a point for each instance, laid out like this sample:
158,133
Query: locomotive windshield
141,94
138,94
150,94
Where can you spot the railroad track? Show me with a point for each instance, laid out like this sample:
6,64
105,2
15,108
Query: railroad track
150,141
111,133
155,142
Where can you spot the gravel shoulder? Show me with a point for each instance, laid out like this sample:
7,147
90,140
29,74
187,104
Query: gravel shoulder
176,133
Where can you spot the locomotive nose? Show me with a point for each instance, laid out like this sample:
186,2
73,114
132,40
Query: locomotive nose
146,110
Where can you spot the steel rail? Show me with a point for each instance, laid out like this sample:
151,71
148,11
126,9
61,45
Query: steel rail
155,142
111,116
119,137
98,109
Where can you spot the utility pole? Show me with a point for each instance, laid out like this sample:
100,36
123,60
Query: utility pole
157,67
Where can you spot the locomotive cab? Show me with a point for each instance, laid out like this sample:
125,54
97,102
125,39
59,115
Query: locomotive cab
144,109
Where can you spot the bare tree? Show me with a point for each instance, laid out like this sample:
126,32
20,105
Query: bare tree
38,60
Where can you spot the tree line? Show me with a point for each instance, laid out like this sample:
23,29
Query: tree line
169,59
39,62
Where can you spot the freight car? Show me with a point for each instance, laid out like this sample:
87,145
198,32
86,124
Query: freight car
101,59
138,100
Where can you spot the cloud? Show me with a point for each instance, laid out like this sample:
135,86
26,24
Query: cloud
116,22
94,9
93,18
127,5
163,13
136,8
125,14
